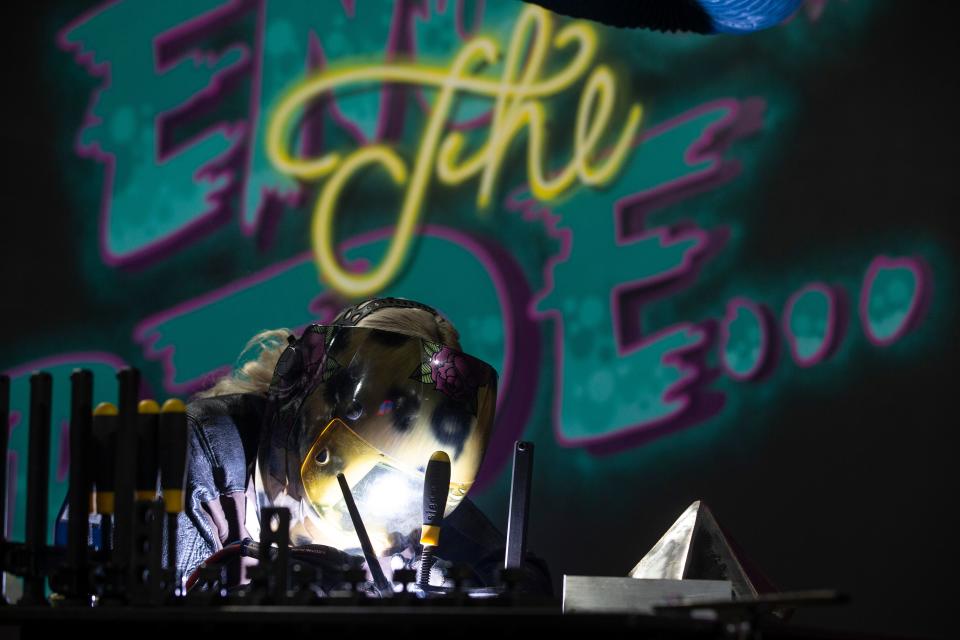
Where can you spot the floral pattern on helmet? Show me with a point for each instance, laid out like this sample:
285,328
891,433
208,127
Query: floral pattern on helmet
300,363
452,373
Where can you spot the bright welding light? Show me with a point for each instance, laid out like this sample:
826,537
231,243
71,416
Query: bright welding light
390,495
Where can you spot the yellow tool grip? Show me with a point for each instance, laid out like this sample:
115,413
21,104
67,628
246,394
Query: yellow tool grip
430,535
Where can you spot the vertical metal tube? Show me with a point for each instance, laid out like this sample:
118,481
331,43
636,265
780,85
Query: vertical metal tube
519,505
81,418
38,473
126,463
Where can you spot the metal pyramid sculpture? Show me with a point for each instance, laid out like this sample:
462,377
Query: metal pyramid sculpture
695,547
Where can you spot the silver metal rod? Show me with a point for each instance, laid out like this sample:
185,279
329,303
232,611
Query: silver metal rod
379,579
519,513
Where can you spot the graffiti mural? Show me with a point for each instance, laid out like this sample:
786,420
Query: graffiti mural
511,167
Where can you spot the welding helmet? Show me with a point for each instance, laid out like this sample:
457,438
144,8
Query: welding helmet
374,405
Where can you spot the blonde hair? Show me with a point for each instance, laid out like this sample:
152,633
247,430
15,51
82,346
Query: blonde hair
254,376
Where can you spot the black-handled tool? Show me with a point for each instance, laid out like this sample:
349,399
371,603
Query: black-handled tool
147,549
125,476
436,487
38,470
148,413
105,426
81,482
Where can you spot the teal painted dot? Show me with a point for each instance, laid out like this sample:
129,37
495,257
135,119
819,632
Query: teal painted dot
123,124
899,291
601,386
807,347
280,39
591,312
809,323
743,349
890,299
492,331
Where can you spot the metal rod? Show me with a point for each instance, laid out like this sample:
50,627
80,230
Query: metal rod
38,475
81,418
126,462
519,514
376,571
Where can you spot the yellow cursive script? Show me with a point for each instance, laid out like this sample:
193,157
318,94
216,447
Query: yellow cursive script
517,96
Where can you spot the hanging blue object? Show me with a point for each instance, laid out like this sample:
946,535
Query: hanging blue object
745,16
698,16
